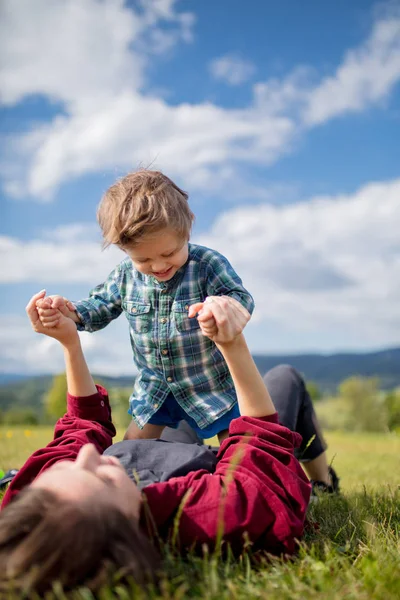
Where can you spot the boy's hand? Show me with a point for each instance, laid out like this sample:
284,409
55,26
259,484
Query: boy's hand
52,307
221,318
205,318
64,331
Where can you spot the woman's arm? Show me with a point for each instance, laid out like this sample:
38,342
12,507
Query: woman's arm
258,491
79,379
253,396
88,414
229,318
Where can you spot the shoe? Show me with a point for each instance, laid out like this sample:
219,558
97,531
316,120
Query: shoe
320,487
7,477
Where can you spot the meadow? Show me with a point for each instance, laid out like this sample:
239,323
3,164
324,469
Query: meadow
351,549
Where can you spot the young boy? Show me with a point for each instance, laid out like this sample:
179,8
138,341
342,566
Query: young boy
160,286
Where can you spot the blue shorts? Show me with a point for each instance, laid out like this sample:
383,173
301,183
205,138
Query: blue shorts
170,413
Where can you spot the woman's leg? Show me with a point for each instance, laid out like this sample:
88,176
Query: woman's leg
295,410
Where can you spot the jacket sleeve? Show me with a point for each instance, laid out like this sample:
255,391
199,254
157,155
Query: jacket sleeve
103,305
88,420
222,280
258,492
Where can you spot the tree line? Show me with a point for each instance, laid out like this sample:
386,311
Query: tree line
359,405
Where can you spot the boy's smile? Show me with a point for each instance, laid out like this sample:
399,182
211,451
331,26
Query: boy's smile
160,254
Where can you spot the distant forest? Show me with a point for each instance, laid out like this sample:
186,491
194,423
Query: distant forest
326,371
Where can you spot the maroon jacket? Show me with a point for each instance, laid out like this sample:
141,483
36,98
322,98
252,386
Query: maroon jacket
258,491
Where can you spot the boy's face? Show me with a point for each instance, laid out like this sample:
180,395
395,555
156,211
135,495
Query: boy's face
160,254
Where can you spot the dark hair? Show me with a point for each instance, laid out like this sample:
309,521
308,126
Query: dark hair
44,539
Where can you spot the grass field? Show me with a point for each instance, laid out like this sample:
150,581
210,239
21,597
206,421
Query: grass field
354,553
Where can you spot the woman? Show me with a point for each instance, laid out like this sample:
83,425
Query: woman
79,515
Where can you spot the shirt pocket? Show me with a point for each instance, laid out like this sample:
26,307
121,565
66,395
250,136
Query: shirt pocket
180,310
138,315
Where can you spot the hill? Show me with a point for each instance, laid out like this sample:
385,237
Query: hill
19,391
329,370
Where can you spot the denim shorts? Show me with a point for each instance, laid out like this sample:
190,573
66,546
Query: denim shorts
171,413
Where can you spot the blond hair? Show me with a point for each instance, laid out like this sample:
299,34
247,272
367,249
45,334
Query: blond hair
143,202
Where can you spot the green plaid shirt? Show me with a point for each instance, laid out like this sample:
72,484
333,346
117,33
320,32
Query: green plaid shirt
169,350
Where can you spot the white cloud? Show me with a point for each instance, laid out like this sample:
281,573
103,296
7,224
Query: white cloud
122,133
109,122
325,272
22,350
53,49
329,264
232,69
68,254
82,53
365,76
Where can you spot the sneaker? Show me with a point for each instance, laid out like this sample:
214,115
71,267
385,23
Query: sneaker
320,487
7,477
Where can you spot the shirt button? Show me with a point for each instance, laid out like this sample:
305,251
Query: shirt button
164,291
156,406
169,379
163,320
102,403
186,306
134,310
165,351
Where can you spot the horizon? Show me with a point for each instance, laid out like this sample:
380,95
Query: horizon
256,355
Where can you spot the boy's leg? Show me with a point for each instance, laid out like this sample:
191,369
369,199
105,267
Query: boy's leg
295,410
223,435
183,434
148,432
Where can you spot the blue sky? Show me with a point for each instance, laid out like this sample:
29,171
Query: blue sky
281,119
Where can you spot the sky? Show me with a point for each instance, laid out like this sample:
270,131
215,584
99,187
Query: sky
280,119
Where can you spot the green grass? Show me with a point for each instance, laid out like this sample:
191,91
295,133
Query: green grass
353,554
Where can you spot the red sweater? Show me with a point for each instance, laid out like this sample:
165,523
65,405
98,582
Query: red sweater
258,491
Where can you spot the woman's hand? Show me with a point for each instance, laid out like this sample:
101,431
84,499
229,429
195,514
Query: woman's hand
221,318
64,331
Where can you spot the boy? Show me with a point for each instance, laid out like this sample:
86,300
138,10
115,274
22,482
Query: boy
160,286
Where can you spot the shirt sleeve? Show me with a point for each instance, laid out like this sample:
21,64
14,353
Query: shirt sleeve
222,280
258,493
87,420
103,305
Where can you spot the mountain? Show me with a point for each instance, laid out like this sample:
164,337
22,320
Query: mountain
10,378
327,371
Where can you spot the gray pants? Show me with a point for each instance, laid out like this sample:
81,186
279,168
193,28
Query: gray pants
293,405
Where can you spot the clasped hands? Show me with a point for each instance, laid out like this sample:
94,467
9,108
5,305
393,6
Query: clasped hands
221,318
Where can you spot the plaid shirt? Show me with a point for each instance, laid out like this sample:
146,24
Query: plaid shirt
169,350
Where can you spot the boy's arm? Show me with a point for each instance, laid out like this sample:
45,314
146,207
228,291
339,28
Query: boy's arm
103,305
222,280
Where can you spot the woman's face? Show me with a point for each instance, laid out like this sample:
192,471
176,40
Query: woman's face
92,476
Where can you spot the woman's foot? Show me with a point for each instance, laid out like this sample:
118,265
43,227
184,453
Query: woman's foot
321,487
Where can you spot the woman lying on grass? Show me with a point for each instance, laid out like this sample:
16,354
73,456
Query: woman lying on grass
80,517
